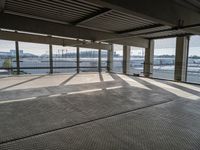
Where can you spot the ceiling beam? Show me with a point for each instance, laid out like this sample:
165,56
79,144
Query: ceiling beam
19,23
171,36
140,30
38,25
2,5
134,41
165,12
22,37
189,28
92,16
50,20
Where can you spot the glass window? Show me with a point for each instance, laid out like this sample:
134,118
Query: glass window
104,59
64,59
137,56
164,58
117,58
88,59
193,70
7,57
34,58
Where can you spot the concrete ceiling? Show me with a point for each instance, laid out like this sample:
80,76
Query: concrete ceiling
103,20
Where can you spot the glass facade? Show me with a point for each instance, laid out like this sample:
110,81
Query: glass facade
34,58
7,57
64,59
164,58
88,59
104,60
137,56
117,58
193,68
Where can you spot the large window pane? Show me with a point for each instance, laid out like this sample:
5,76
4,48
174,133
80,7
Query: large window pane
7,57
136,65
64,59
164,58
34,58
193,72
117,58
88,59
104,60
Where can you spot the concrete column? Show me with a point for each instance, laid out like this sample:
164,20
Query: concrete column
180,72
17,57
110,60
126,58
51,58
99,60
78,59
148,62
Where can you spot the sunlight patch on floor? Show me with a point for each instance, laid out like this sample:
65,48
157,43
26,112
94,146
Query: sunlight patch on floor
132,82
84,78
189,86
6,82
84,91
17,100
46,81
107,77
171,89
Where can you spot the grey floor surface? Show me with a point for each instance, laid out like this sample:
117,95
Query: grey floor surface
116,112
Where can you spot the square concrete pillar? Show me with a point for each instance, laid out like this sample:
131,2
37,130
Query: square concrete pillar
148,62
110,60
181,58
126,58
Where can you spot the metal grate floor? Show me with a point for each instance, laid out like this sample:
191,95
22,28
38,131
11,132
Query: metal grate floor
119,119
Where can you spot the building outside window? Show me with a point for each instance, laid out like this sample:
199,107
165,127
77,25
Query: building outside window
104,60
137,56
164,58
117,58
88,59
64,59
7,57
34,58
193,68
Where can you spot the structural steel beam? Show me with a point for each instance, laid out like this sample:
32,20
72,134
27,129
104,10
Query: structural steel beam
78,59
99,60
51,58
92,16
140,30
17,57
188,28
163,11
132,41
